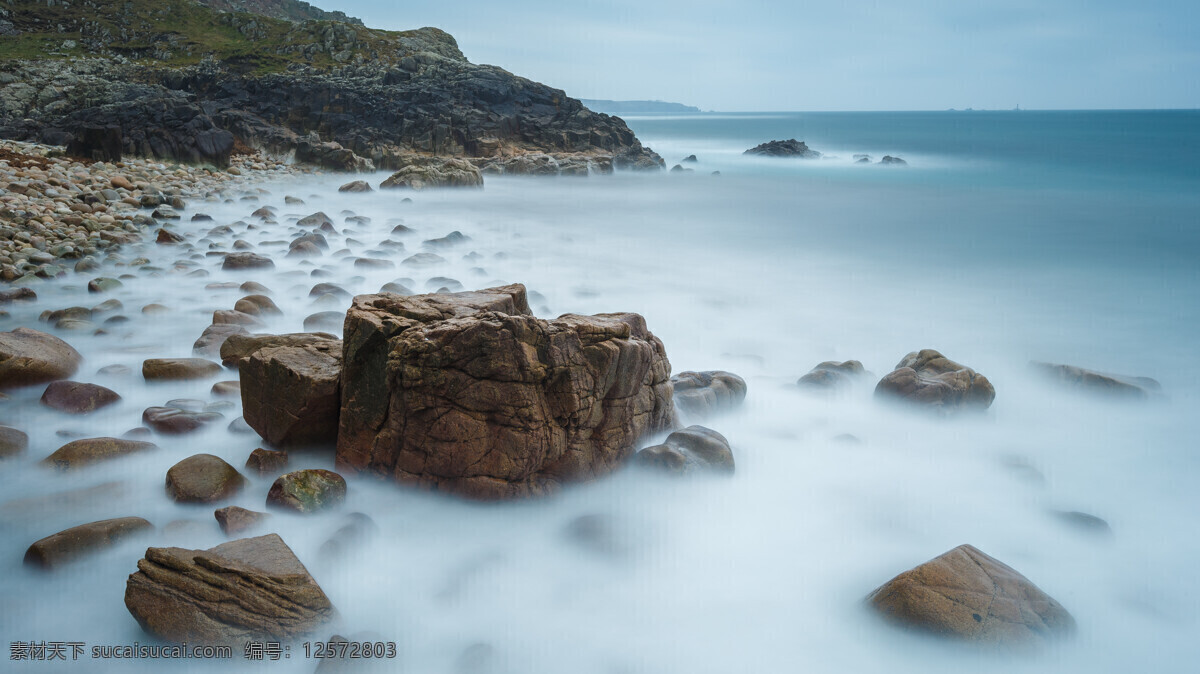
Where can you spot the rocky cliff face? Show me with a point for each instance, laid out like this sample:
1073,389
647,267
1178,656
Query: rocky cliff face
179,80
288,10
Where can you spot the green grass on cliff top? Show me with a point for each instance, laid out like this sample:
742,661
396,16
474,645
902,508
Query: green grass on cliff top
145,30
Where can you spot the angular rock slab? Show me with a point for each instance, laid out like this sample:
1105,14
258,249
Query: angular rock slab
33,357
70,544
928,379
965,594
702,394
252,589
470,393
291,395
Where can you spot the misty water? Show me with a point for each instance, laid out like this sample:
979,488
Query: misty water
1010,237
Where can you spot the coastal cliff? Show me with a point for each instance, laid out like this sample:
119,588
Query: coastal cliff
184,81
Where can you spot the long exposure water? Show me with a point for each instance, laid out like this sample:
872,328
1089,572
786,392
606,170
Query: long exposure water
1009,237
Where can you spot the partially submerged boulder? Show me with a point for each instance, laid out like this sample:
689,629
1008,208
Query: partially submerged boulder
831,375
702,394
253,589
13,441
690,450
80,453
928,379
34,357
71,544
156,369
307,491
77,397
1114,385
784,148
423,172
203,478
967,595
291,395
234,520
470,393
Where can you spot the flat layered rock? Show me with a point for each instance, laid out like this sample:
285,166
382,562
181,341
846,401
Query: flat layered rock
33,357
967,595
253,589
85,452
928,379
702,394
470,393
77,542
238,348
291,395
78,398
178,368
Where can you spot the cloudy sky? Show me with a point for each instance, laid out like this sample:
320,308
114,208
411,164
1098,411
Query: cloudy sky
828,55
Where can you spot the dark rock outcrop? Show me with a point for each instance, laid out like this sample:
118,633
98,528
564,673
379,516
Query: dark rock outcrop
784,148
291,395
470,393
71,544
928,379
692,449
253,589
967,595
33,357
702,394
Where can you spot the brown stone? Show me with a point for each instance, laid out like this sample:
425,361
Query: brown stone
77,397
167,237
257,305
1112,385
234,520
702,394
176,421
830,375
965,594
210,341
238,348
928,379
80,453
12,442
33,357
356,186
178,368
470,393
307,491
71,544
227,388
203,478
266,462
291,395
235,261
253,589
692,449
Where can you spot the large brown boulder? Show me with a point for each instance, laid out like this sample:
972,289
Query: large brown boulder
71,544
469,393
307,491
291,395
253,589
80,453
1102,383
33,357
928,379
702,394
965,594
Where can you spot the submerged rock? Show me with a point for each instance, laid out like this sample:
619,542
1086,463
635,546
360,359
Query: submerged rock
80,453
702,394
892,161
154,369
1115,385
203,478
253,589
266,462
33,357
967,595
234,520
235,261
12,442
307,491
71,544
830,375
928,379
784,148
693,449
470,393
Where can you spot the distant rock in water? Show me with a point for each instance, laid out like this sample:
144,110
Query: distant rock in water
967,595
690,159
784,148
1115,385
889,160
928,379
830,376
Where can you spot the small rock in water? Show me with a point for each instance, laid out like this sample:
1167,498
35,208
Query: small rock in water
227,388
76,397
267,462
831,376
356,186
203,478
175,421
1084,522
33,357
234,520
236,261
81,453
102,284
158,369
72,544
12,442
702,394
692,449
1114,385
307,491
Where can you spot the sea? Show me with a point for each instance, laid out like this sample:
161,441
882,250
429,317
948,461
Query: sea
1008,237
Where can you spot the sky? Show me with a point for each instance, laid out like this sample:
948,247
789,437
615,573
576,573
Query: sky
828,55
